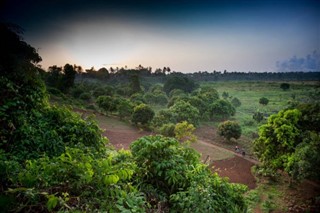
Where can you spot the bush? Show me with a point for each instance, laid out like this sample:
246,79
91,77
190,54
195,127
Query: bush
86,96
222,109
236,102
179,82
258,116
76,91
285,86
125,108
263,101
229,129
107,103
184,132
185,112
162,117
142,114
173,175
167,130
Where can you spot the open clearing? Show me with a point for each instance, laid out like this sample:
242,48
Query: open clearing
225,162
221,159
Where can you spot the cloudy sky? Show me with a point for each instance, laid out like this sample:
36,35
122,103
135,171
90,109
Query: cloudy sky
186,35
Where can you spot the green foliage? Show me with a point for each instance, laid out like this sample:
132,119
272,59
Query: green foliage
86,96
166,168
278,139
79,179
142,114
258,116
184,132
61,78
305,160
156,98
167,130
185,112
236,102
77,90
285,86
208,95
164,116
263,101
222,109
125,108
107,103
135,84
230,129
177,93
225,95
179,82
137,98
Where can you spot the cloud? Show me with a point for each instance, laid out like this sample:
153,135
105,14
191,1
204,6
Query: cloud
311,62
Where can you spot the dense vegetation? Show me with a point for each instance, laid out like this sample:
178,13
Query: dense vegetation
53,160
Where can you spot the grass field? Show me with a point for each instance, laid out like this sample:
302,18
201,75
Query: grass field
249,94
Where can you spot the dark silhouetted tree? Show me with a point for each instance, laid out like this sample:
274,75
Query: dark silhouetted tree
285,86
263,101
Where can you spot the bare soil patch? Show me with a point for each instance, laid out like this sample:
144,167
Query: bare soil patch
237,169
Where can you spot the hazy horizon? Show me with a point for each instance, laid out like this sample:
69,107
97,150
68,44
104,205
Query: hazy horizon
187,36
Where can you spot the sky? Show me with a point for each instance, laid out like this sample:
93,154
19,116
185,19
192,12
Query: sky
185,35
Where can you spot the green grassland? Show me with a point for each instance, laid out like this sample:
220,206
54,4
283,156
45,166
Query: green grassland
249,94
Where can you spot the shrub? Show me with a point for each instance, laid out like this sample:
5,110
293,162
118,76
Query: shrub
222,109
185,112
162,117
86,96
142,114
285,86
229,129
107,103
258,116
184,132
236,102
173,175
167,130
263,101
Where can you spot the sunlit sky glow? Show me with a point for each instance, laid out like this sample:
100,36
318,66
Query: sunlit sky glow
187,36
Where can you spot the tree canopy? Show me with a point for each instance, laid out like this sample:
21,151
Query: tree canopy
287,142
179,82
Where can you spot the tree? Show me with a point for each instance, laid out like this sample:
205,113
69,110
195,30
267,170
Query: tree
125,108
179,82
184,111
142,114
285,86
184,132
135,84
167,130
258,116
225,95
222,109
236,102
263,101
290,141
278,139
229,129
164,116
68,77
107,103
166,168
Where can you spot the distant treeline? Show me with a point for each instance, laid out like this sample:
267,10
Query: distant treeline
160,75
255,76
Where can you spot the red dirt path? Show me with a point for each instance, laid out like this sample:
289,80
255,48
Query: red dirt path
237,169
